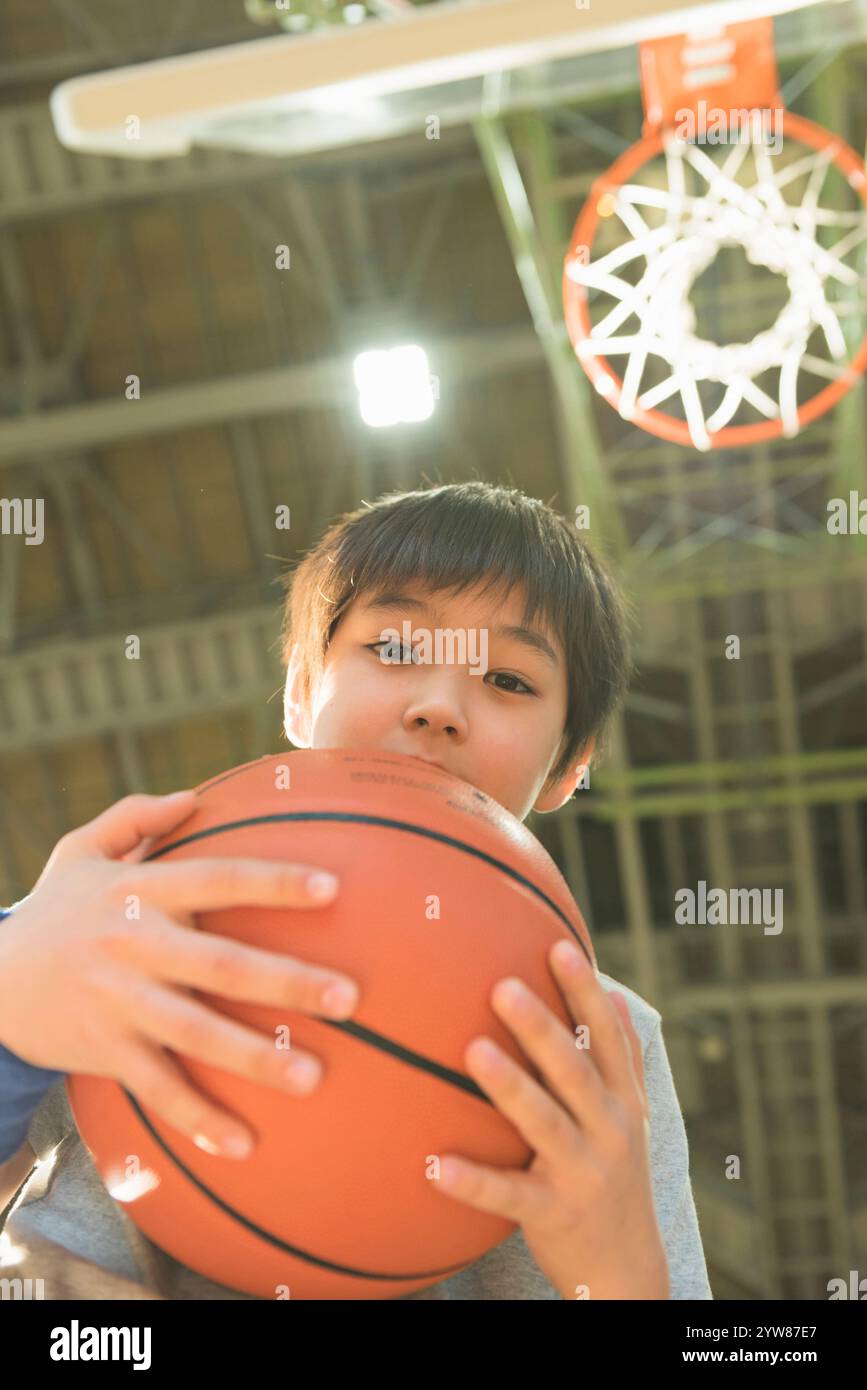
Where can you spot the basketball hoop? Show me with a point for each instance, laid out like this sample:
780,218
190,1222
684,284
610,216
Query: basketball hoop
686,81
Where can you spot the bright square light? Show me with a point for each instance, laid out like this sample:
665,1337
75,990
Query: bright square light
394,386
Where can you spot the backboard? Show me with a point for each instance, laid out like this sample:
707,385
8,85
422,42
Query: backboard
342,85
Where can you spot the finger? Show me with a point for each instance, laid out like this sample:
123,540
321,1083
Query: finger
233,970
566,1068
177,1021
542,1123
199,885
634,1044
120,828
590,1004
141,851
502,1192
159,1084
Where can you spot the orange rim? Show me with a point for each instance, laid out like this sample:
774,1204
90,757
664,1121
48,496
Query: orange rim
576,306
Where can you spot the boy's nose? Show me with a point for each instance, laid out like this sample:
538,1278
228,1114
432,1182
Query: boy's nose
438,714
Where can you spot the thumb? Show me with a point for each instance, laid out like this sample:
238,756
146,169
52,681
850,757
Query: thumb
119,830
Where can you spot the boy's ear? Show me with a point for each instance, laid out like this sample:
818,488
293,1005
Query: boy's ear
555,796
296,720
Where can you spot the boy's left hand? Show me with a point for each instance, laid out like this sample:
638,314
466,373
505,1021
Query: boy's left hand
585,1203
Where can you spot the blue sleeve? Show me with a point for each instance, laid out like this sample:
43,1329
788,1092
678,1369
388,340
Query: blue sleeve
22,1087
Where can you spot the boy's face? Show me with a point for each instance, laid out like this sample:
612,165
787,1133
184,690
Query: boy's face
486,728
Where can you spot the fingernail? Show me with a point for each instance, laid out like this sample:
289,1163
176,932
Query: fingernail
303,1074
339,999
568,955
236,1145
322,885
487,1053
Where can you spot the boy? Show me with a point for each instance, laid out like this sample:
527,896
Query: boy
606,1208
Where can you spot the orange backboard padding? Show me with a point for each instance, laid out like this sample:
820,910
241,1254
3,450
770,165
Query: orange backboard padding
731,67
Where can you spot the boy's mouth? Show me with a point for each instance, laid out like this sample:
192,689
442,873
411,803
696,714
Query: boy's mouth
432,762
420,758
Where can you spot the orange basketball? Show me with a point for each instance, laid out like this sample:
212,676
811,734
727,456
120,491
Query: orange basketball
442,893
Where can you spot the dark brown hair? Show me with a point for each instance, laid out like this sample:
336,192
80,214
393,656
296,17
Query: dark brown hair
450,538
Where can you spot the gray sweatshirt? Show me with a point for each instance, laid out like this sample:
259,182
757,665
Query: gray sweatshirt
66,1229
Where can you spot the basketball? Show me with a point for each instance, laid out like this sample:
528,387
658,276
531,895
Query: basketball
442,893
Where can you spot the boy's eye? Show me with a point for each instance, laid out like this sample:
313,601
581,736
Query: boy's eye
397,660
395,648
504,675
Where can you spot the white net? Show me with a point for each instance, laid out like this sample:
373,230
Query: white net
740,201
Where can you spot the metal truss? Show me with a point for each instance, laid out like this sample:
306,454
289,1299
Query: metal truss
68,690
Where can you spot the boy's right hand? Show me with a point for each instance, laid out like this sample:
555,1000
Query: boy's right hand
82,989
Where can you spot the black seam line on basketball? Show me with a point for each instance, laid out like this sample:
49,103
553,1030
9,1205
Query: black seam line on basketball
405,1054
356,818
267,1235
